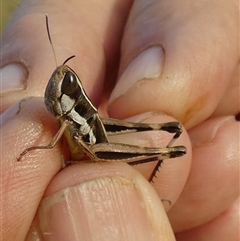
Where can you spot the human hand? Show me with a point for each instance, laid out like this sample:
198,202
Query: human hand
198,54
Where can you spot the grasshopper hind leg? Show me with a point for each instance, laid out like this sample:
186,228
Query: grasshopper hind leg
178,131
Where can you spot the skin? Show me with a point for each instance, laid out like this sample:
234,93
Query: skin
199,86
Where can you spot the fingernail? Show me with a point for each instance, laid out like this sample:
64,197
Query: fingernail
147,65
9,113
109,208
13,77
145,116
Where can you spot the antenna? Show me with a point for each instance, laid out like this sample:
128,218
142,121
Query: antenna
50,40
73,56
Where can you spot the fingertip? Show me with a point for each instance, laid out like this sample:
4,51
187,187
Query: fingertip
109,196
24,182
173,172
214,174
25,43
192,65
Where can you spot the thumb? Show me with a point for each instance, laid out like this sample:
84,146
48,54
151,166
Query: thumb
27,59
174,54
106,201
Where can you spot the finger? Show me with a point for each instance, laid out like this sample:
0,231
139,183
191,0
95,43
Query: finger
171,177
174,54
101,201
230,103
224,227
23,182
29,177
27,60
211,187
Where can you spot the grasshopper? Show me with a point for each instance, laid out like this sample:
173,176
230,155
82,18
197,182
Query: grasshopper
87,133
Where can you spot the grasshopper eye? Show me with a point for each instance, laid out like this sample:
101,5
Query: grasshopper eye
69,84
